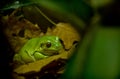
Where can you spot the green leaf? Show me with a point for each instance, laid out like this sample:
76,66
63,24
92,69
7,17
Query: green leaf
96,59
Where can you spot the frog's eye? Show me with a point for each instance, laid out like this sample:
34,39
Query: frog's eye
48,44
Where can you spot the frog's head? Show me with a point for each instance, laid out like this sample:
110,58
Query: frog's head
50,45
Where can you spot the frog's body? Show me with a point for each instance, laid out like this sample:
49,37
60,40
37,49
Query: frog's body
38,48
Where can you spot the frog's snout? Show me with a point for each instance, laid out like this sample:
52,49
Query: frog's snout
58,47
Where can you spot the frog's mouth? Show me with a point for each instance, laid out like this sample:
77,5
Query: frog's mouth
50,52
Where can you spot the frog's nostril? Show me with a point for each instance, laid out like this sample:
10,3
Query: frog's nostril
56,53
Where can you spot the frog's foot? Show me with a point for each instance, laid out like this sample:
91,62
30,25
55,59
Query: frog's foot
38,56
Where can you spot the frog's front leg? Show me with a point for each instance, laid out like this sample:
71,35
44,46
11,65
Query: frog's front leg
38,55
26,57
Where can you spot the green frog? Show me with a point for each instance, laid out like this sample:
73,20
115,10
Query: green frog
38,48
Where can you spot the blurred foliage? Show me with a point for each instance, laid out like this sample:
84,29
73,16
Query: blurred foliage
100,3
97,56
78,7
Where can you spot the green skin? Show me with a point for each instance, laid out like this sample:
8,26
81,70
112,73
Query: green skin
38,48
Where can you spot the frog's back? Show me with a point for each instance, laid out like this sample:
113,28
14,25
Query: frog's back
30,45
34,43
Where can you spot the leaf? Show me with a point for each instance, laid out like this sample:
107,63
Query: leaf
67,33
97,58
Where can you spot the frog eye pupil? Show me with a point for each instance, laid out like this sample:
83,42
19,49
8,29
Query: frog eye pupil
48,44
